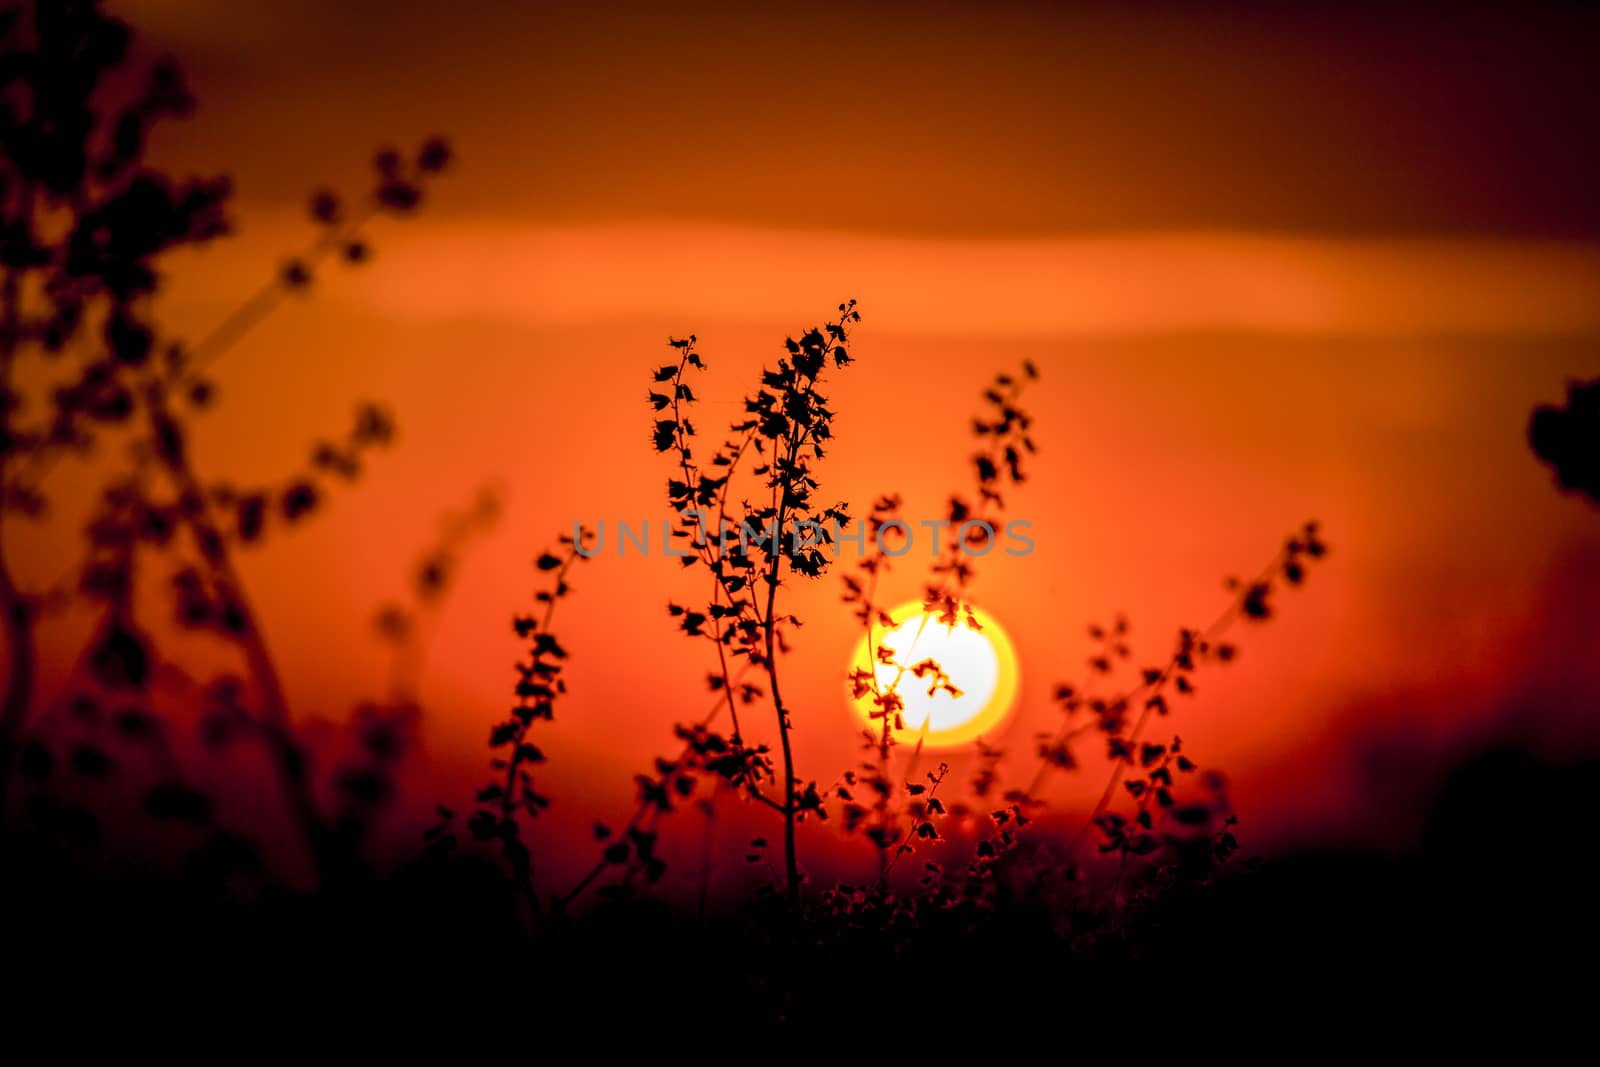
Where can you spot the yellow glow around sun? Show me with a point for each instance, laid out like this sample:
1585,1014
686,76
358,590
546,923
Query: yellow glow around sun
980,663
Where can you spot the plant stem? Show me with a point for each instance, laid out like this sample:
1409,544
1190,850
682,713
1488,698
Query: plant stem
791,863
644,807
508,794
21,650
770,626
287,755
705,852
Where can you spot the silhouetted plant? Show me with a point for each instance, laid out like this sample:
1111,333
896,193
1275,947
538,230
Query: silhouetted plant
1144,769
747,547
381,732
511,793
1568,438
704,752
83,224
87,223
408,626
887,703
1002,433
1004,438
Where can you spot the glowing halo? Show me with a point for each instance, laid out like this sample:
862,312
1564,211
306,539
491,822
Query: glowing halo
981,663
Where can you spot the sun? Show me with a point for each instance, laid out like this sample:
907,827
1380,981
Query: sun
977,662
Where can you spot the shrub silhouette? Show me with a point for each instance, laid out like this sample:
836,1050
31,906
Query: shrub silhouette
87,224
1568,439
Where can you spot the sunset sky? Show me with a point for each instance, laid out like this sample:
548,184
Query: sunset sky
1272,267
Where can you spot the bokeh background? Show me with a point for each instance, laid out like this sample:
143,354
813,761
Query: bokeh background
1272,267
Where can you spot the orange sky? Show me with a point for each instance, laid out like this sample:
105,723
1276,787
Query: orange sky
1008,118
1270,269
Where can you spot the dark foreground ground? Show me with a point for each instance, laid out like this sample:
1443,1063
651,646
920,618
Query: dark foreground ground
1491,918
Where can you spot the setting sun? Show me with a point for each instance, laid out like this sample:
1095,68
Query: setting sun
979,663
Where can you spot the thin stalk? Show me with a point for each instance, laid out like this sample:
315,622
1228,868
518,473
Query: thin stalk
1149,691
641,811
288,758
770,625
17,608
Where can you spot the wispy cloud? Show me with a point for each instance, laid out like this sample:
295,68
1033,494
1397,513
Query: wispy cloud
1111,284
1126,284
